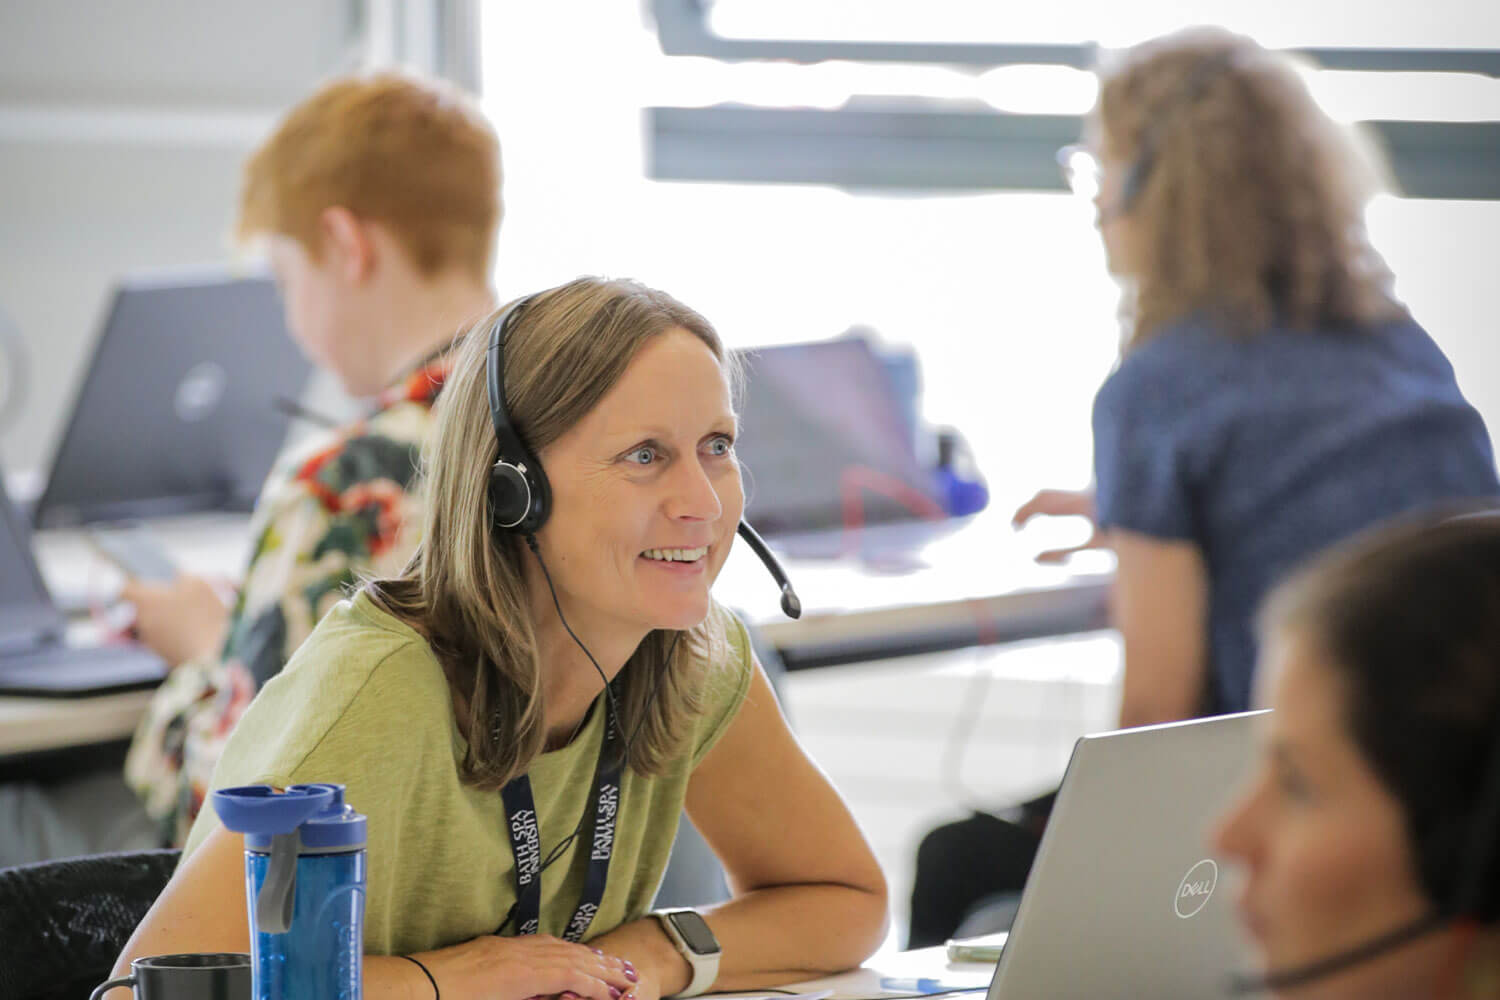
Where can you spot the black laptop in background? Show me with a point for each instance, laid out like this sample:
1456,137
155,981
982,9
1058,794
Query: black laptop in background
177,412
828,452
825,438
35,659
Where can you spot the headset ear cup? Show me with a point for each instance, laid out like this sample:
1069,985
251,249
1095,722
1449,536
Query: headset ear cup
510,496
1134,180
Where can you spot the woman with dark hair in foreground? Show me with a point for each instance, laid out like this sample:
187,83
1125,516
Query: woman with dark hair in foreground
1371,828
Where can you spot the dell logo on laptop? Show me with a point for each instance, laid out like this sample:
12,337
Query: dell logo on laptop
200,391
1196,887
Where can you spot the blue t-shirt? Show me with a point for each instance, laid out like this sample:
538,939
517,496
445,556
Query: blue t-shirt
1263,450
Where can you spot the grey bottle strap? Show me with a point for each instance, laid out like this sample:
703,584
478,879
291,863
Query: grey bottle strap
273,904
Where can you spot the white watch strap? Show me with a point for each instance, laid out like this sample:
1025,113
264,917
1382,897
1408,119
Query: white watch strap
705,967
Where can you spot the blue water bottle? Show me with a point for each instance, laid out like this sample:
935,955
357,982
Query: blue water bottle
305,885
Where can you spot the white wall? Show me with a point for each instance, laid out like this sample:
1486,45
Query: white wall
122,129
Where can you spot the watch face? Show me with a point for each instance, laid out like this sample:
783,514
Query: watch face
695,932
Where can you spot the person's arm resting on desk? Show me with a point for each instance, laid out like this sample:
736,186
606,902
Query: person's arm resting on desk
809,897
807,905
1159,605
203,909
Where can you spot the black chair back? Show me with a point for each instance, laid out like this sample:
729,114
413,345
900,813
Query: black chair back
63,923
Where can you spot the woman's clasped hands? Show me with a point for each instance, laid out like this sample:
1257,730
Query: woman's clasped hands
531,967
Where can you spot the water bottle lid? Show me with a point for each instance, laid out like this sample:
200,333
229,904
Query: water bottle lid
318,812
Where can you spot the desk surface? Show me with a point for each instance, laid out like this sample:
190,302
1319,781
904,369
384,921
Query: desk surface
975,585
894,974
28,725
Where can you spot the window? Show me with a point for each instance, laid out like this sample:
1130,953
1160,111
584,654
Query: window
1002,291
1454,24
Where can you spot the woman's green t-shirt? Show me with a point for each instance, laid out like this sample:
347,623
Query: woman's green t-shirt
364,703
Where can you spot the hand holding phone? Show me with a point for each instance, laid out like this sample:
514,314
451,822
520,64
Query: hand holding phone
135,551
180,620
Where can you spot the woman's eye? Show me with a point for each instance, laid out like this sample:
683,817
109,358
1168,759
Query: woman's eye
720,446
1294,786
644,455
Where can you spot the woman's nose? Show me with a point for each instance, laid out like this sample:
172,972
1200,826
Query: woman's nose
1234,834
693,494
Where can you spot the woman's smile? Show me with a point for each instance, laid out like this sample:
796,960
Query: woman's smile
676,558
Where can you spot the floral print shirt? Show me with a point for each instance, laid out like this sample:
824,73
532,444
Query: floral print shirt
346,510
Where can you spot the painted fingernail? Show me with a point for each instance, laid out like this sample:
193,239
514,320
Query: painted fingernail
614,993
630,973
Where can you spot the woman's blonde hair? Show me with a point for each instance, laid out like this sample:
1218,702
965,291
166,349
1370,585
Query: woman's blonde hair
465,590
1249,206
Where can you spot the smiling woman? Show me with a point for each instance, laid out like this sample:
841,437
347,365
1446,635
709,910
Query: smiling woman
468,690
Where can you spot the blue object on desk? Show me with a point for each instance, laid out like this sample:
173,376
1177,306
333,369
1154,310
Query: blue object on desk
960,486
920,985
305,886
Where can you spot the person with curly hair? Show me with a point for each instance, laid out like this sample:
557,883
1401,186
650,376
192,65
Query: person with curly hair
1272,396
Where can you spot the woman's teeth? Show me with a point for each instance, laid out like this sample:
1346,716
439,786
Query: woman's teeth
676,555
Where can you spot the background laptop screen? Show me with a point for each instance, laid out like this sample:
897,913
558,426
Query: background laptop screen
26,609
823,425
177,411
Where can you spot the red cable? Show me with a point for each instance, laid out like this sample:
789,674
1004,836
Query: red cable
853,479
1465,932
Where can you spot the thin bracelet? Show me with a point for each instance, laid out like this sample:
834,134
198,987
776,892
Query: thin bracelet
436,993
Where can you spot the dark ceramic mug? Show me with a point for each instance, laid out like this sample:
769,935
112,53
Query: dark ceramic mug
198,976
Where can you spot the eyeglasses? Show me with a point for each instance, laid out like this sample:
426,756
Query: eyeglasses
1080,169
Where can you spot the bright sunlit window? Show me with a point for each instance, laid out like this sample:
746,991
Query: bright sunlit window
1003,294
1279,23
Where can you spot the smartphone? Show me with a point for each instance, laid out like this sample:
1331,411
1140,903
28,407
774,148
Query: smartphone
984,948
135,551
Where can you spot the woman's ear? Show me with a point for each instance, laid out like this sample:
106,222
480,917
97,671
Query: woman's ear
348,244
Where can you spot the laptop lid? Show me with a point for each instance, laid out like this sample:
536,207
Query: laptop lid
34,660
824,437
27,615
177,410
1126,899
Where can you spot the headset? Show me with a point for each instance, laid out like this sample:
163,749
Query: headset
520,497
1139,171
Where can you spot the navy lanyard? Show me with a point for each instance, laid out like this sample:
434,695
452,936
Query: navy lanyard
526,842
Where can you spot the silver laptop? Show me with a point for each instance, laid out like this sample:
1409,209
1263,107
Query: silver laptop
34,658
178,411
1126,898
